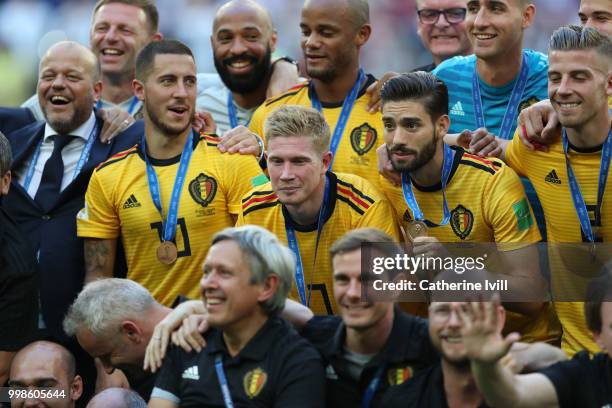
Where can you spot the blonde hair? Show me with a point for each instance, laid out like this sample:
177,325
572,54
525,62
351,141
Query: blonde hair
298,121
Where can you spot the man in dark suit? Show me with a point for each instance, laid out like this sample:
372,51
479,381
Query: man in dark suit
18,278
12,119
53,161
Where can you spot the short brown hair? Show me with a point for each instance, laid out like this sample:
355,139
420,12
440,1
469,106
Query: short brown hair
148,6
295,121
574,37
354,239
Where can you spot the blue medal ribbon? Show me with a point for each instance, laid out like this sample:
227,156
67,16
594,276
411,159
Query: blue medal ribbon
227,397
231,111
80,164
169,225
508,122
293,245
579,204
368,395
131,108
411,201
347,107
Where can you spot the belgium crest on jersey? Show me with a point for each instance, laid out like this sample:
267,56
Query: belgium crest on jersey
462,221
254,381
399,375
363,138
203,189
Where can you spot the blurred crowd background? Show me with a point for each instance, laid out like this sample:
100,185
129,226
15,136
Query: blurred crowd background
29,27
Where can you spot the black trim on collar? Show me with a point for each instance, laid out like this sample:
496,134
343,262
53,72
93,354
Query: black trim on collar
172,160
331,205
370,79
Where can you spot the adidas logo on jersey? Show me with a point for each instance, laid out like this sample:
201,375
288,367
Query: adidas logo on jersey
191,373
457,109
131,202
552,177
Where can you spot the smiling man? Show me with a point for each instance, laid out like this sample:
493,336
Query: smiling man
119,30
369,344
243,41
580,83
441,27
252,357
163,200
306,205
333,33
450,381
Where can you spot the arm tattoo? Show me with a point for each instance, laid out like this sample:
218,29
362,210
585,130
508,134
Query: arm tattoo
99,258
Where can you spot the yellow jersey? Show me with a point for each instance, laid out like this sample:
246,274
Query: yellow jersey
352,203
548,174
118,204
487,204
362,135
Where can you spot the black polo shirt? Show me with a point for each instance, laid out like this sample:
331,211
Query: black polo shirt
18,287
426,389
582,381
277,368
407,351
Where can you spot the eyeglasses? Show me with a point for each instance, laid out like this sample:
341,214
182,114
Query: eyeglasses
453,15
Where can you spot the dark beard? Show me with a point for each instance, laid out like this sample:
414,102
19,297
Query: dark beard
247,83
422,158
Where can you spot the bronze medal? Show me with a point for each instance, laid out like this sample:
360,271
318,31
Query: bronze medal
167,253
416,229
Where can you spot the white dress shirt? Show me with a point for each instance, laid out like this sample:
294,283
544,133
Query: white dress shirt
70,155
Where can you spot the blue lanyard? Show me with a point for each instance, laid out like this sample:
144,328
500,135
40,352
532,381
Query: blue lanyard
80,164
227,397
347,107
293,245
231,111
411,201
368,396
579,204
130,109
508,123
169,225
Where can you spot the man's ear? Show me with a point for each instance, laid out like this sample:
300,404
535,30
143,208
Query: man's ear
363,35
138,88
442,125
131,330
528,15
76,388
327,159
5,183
268,288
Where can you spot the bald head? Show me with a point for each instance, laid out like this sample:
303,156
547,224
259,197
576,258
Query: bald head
44,353
68,85
358,10
73,48
47,364
117,398
239,7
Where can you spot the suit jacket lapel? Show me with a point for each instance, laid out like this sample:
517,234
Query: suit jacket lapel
29,140
99,153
